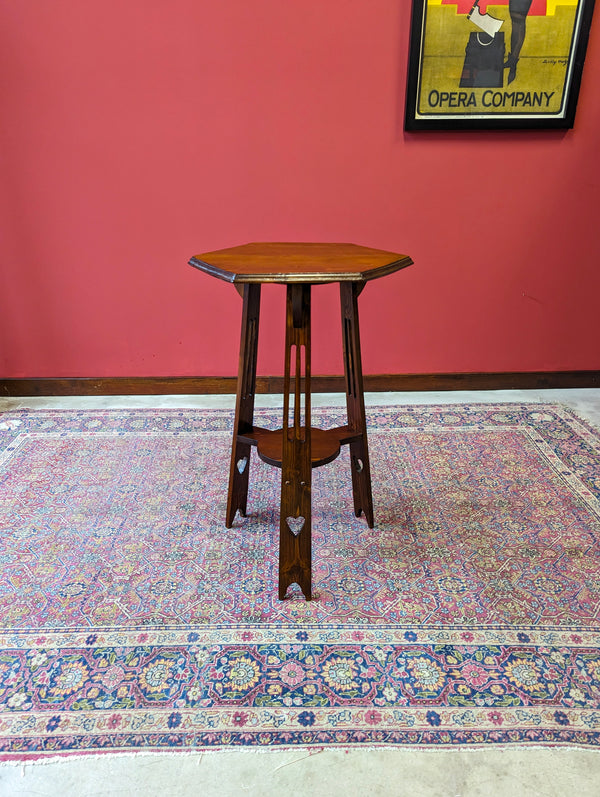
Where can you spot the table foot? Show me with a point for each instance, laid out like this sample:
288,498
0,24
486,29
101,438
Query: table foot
298,578
361,482
295,534
237,498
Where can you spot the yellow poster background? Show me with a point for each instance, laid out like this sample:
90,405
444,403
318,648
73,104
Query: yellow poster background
539,85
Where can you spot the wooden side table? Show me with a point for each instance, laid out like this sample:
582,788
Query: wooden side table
297,448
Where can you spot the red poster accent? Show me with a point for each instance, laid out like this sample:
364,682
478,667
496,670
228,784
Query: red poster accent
538,7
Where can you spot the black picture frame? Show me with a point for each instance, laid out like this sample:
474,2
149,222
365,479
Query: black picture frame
462,74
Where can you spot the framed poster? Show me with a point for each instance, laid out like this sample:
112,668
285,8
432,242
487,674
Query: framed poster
495,64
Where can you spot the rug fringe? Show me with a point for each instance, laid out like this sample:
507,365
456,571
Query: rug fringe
400,750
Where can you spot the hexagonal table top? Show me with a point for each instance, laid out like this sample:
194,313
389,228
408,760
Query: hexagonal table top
299,262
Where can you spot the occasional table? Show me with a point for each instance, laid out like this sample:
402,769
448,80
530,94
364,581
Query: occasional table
296,448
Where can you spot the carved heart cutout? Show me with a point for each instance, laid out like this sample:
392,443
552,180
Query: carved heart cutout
241,464
295,524
358,465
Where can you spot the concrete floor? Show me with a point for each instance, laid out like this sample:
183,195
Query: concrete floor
536,772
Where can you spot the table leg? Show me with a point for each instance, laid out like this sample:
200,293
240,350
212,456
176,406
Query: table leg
296,470
237,496
355,401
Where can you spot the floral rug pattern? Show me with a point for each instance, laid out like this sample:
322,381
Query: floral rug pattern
130,618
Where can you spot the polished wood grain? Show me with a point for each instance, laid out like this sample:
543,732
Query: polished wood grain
239,470
295,550
325,444
299,262
359,450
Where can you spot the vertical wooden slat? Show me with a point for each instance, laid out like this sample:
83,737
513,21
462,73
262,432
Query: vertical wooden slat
296,471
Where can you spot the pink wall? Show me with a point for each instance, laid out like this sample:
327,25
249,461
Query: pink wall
135,133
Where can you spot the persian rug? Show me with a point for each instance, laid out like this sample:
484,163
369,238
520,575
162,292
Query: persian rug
131,619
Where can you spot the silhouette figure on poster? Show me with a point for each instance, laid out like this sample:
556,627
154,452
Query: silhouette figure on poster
484,55
518,10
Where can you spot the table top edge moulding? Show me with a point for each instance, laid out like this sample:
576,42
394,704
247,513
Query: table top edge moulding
289,262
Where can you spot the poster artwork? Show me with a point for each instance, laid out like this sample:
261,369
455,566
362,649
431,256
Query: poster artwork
515,61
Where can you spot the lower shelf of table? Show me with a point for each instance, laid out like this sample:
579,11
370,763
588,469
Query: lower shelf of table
325,444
